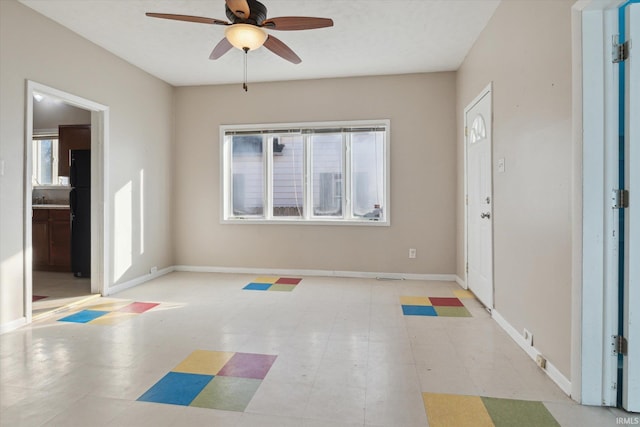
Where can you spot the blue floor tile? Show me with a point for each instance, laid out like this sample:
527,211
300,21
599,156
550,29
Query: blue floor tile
83,316
418,310
258,286
176,388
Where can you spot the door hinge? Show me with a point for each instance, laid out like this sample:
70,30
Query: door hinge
620,52
620,199
620,345
466,131
467,268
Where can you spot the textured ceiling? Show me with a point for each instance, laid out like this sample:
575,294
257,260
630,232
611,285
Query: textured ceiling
369,37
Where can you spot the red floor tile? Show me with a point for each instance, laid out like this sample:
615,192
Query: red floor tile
288,281
137,307
445,302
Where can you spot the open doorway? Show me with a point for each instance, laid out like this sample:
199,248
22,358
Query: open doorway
64,158
60,236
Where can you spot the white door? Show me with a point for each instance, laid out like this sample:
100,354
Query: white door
479,198
631,367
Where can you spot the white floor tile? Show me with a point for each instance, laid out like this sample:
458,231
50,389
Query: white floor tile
346,356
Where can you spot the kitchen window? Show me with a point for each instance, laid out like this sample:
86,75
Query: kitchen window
323,173
45,160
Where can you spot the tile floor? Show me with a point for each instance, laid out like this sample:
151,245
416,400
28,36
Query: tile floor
53,290
279,284
341,353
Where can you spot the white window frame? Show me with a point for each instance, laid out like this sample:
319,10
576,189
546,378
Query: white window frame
37,165
226,178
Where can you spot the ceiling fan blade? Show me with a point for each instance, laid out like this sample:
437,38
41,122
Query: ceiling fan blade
279,48
221,48
187,18
240,8
291,23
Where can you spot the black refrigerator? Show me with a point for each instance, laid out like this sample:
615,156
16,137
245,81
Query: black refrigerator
80,206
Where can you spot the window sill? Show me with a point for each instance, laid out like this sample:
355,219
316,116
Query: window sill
336,222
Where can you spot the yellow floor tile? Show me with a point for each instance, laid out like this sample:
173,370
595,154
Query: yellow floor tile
415,301
450,410
204,362
463,293
113,318
265,279
109,306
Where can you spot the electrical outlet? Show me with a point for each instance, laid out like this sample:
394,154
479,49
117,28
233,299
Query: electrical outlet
541,361
412,253
153,270
528,336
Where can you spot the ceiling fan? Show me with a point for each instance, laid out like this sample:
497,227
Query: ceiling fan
245,31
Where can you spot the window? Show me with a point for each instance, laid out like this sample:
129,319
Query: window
307,173
45,161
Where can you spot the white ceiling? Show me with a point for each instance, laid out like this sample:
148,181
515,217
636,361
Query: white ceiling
369,37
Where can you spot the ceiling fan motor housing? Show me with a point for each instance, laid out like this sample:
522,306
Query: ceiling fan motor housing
257,14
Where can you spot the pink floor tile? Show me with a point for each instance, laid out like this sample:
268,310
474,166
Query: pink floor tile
247,365
138,307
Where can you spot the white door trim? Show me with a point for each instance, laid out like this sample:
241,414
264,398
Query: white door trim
631,369
487,90
99,189
595,157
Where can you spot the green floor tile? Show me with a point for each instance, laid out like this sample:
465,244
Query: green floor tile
452,312
521,413
282,288
227,393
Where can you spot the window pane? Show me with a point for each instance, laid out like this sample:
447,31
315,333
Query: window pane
327,166
367,174
329,172
247,166
46,161
288,172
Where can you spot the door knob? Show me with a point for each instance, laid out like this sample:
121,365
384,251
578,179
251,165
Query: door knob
485,215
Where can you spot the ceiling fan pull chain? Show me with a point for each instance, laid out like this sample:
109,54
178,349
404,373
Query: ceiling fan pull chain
244,85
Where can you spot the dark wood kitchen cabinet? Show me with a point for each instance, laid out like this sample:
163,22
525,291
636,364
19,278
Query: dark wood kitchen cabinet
40,238
51,239
71,137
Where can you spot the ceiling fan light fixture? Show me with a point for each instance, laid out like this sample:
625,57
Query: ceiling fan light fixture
245,36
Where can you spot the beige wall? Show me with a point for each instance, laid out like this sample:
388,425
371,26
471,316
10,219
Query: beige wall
525,50
421,108
35,48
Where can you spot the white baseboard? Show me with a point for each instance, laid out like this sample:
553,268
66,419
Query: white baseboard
111,290
461,282
137,281
551,371
318,273
13,325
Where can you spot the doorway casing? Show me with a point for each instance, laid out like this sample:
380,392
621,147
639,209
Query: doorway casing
99,189
595,305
